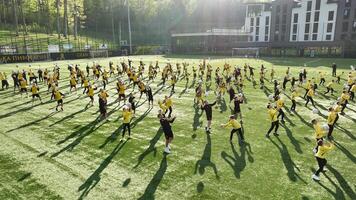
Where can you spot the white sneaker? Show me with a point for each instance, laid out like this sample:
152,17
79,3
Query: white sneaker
315,177
169,147
315,151
166,150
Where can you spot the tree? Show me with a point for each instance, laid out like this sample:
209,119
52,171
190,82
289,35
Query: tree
14,10
65,18
58,3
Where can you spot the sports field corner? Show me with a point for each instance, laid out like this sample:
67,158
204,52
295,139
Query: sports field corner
47,154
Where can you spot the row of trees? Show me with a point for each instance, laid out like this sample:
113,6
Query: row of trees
151,20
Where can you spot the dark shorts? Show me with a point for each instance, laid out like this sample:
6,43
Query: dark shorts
209,117
102,110
168,134
60,101
23,90
35,95
122,96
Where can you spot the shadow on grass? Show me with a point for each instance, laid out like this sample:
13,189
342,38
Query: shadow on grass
184,90
71,116
205,160
287,161
155,181
151,148
236,162
33,122
294,141
347,132
95,178
196,119
343,183
222,103
345,151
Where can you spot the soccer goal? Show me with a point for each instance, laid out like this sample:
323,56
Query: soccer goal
99,53
246,52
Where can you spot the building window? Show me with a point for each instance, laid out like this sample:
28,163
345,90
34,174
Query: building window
317,5
328,37
251,29
307,18
266,38
294,37
331,16
306,37
295,18
354,26
309,5
257,21
277,20
252,21
315,27
267,20
307,28
278,9
295,28
283,37
346,13
256,38
315,37
329,28
277,28
316,16
347,3
257,30
266,30
345,26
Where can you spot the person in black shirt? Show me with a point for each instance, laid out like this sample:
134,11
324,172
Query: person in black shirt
149,95
132,102
231,93
167,129
40,75
334,66
209,114
238,99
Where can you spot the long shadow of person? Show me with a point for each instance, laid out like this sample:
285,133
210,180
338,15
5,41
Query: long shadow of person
155,181
347,132
338,194
36,122
287,161
196,119
345,151
343,183
95,178
294,141
184,90
193,84
222,103
150,148
236,162
303,120
205,160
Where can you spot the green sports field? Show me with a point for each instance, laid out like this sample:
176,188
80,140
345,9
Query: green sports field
46,154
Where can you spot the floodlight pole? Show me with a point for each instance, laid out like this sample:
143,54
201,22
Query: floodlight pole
129,23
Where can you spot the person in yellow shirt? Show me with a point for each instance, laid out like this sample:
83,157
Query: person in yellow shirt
127,116
142,88
35,92
162,107
73,83
58,96
310,95
280,105
23,86
168,103
4,82
120,87
320,156
329,87
103,95
319,132
198,95
294,95
236,128
90,93
322,78
308,86
344,100
85,84
352,91
105,77
272,113
331,121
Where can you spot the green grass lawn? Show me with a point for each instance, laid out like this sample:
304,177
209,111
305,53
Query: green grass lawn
69,155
